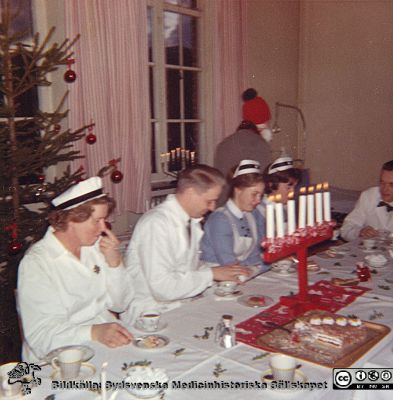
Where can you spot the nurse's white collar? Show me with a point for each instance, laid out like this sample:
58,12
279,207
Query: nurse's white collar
234,209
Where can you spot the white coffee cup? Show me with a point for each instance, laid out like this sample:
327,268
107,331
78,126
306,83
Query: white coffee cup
227,287
284,265
369,243
283,367
68,362
149,320
8,389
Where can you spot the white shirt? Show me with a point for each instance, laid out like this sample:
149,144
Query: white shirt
61,297
366,213
162,259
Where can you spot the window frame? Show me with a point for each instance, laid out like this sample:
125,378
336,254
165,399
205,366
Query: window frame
160,121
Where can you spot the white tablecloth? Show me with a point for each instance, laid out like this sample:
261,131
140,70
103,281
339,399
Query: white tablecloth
200,356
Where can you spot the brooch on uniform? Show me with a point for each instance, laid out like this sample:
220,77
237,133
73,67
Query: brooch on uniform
96,269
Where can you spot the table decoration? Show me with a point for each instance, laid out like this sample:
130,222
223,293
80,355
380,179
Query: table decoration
143,363
206,334
375,315
218,370
179,352
259,356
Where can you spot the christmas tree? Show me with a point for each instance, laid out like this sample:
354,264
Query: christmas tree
28,146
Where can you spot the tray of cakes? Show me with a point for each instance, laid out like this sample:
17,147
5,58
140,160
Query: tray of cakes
324,338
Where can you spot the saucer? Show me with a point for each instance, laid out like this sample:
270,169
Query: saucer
87,371
340,250
161,326
283,272
330,255
267,377
252,301
151,342
88,352
220,293
313,267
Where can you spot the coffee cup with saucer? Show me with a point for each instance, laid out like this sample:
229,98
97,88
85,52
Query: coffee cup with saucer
149,321
68,363
283,266
226,287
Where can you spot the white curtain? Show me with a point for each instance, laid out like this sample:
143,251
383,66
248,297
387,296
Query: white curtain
112,85
112,90
229,63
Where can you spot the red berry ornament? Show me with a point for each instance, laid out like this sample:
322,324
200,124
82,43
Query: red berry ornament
91,138
116,176
41,178
14,247
70,76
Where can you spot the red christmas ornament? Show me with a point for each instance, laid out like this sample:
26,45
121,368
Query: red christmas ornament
41,178
70,75
91,138
14,247
116,176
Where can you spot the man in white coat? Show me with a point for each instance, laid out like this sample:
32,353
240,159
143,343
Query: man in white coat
373,211
163,254
73,277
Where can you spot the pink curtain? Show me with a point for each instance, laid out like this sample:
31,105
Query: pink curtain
112,90
229,61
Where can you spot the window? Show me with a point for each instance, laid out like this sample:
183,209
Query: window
175,75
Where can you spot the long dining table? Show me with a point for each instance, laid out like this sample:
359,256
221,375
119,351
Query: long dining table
193,357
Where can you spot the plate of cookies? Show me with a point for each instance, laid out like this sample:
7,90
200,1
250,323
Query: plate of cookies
151,342
255,300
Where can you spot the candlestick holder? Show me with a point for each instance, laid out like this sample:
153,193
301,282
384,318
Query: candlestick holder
174,162
298,243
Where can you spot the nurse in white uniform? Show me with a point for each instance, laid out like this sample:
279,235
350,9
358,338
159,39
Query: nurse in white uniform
233,233
71,280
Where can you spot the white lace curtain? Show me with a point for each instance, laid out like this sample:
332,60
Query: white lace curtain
112,85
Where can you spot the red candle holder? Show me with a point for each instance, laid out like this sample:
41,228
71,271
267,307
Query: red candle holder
298,243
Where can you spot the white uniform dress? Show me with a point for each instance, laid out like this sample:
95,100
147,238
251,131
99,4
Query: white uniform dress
163,259
366,213
61,297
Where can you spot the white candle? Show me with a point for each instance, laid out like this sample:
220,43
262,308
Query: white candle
291,214
326,203
279,216
318,204
103,380
310,206
270,218
302,208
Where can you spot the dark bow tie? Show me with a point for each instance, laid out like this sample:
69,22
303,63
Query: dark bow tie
384,204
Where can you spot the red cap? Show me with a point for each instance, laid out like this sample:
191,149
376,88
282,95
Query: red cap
256,111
